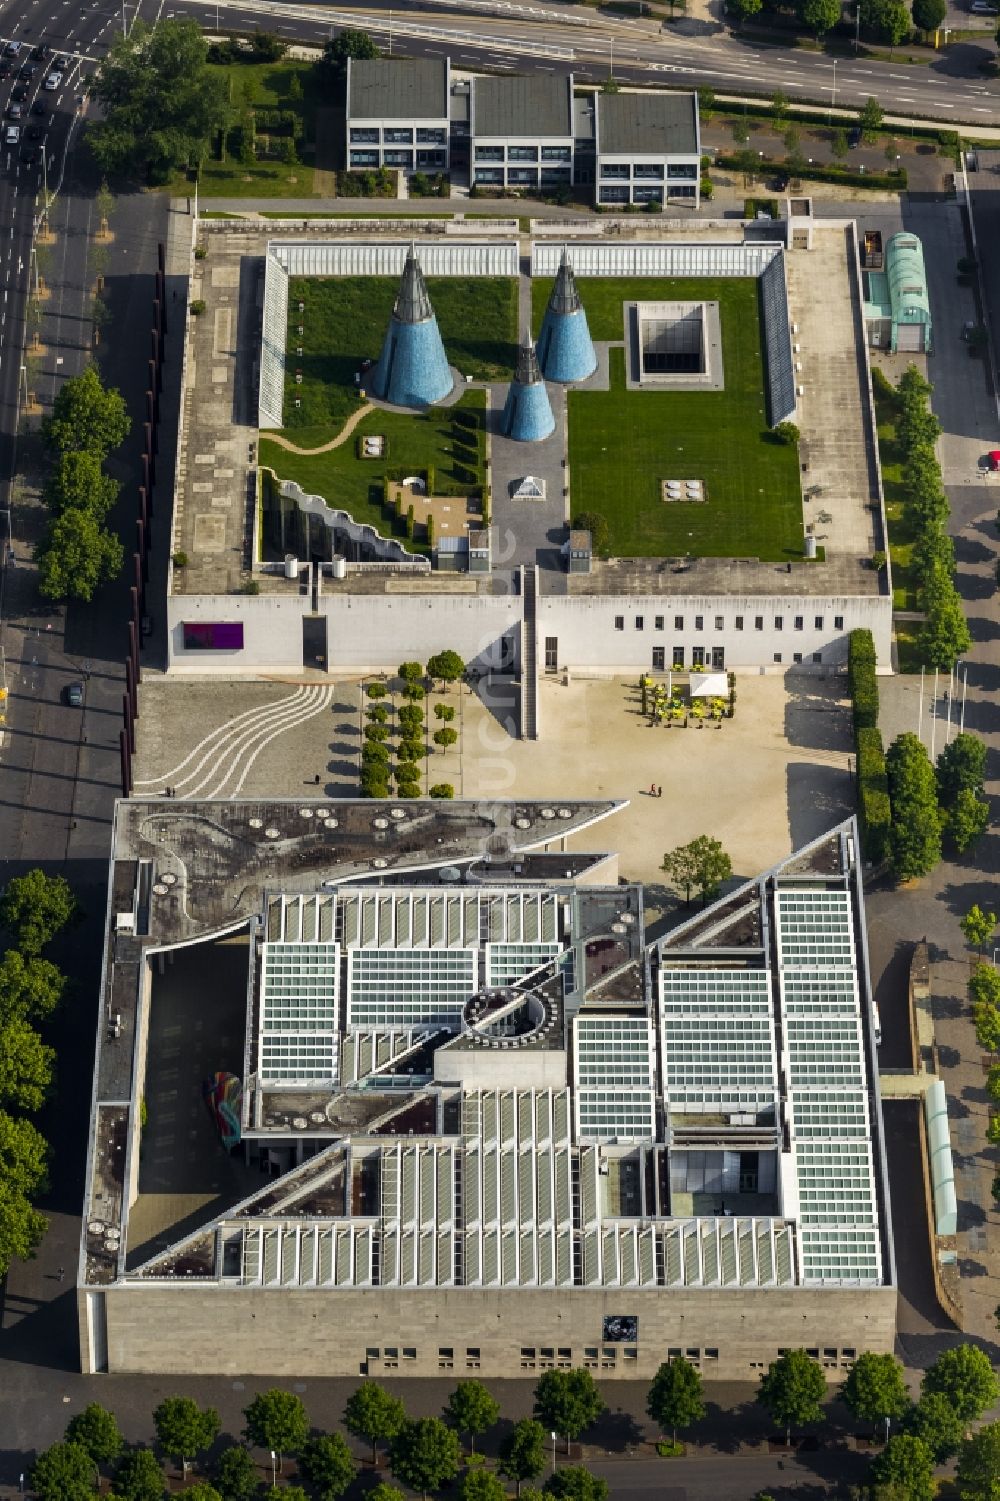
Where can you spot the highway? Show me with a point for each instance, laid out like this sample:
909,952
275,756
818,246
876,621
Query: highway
522,37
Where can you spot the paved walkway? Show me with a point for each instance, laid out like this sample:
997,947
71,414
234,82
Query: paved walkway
342,436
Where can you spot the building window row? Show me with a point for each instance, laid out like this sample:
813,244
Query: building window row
622,171
778,622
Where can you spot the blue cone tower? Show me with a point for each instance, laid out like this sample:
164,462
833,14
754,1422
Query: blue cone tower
412,370
527,413
565,348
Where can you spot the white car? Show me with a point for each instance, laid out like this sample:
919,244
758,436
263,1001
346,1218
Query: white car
53,81
13,135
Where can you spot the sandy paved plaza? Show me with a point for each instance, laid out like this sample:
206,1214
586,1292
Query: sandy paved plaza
763,783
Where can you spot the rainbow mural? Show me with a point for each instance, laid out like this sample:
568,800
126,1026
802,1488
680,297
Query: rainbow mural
222,1094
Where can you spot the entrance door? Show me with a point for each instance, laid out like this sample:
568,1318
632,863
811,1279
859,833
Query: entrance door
659,658
551,653
314,653
718,656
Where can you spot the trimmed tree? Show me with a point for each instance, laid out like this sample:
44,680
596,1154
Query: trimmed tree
328,1465
978,926
34,907
961,766
700,866
674,1399
25,1066
276,1420
445,737
30,989
906,1468
521,1455
964,1376
373,1414
184,1429
979,1464
481,1485
446,667
425,1454
96,1430
86,416
792,1389
928,14
934,1420
870,120
567,1402
64,1472
875,1390
914,843
574,1483
235,1475
472,1409
139,1477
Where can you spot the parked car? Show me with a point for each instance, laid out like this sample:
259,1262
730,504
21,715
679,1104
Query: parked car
14,111
74,695
854,136
27,72
53,81
12,135
18,92
61,64
40,52
12,49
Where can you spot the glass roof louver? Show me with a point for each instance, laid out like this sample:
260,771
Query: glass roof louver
717,1039
613,1075
299,1013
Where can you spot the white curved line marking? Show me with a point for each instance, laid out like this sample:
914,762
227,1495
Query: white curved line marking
225,765
239,739
327,698
229,724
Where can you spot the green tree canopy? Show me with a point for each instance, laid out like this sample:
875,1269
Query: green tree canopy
96,1430
472,1407
979,1465
235,1475
34,907
139,1477
567,1402
445,666
76,556
820,15
79,481
792,1389
184,1429
21,1225
161,103
29,988
384,1492
86,417
674,1399
928,14
700,866
944,636
349,43
411,672
964,1376
521,1453
328,1465
574,1483
915,834
978,925
934,1420
967,820
64,1472
425,1454
372,1414
870,120
25,1066
984,985
202,1491
481,1485
875,1389
276,1420
986,1019
961,767
23,1155
907,1463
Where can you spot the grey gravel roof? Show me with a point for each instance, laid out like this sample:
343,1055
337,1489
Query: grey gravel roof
532,107
385,88
647,124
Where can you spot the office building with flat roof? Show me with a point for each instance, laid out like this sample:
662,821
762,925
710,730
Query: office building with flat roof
647,148
521,133
397,114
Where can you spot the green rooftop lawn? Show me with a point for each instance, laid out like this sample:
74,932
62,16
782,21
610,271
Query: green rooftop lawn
261,86
344,322
415,444
623,443
901,536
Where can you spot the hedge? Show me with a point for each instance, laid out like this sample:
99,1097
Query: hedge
894,181
861,680
874,811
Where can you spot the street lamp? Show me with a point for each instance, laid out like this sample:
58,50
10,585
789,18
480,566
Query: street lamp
274,1469
553,1437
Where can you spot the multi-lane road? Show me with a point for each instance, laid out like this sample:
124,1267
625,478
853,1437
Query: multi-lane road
562,38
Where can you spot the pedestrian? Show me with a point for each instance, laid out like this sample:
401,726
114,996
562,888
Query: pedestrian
60,1273
652,789
659,791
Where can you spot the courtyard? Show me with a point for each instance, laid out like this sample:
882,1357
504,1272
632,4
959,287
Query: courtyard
764,782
